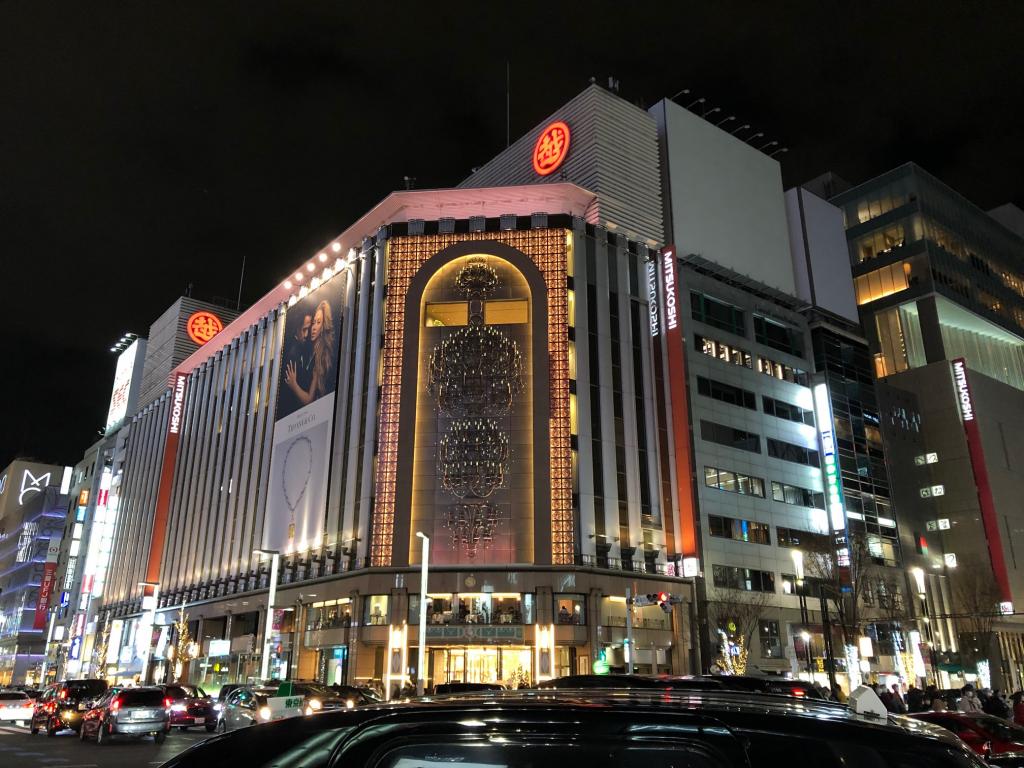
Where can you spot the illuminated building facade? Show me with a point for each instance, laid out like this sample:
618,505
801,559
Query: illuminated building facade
460,407
33,505
940,290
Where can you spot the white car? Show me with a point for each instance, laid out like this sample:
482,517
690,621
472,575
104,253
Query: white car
16,706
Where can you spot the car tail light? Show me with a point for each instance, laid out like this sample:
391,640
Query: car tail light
63,693
167,702
115,704
799,693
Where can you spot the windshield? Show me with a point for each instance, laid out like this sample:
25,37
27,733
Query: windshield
142,697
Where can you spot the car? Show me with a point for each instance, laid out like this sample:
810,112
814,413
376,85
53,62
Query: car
985,734
62,705
637,728
16,706
782,686
317,697
190,706
245,706
631,681
129,712
442,688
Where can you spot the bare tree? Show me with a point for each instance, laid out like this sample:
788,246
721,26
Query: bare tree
735,615
846,586
976,595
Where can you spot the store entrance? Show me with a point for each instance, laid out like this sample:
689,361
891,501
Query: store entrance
332,665
481,664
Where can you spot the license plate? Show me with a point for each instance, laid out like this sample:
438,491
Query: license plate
199,720
141,714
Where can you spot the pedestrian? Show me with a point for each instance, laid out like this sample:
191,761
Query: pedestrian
1018,708
939,704
993,705
915,699
899,705
968,700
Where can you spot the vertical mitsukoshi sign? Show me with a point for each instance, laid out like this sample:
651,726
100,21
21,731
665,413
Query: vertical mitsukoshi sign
989,519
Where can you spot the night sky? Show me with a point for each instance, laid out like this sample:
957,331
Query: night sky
151,145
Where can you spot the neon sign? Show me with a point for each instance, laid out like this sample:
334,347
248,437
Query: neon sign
203,326
668,271
32,484
177,404
652,299
551,148
833,487
963,390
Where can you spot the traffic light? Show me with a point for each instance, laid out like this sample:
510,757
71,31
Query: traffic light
665,601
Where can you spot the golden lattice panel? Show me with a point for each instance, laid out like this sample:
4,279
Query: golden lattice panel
547,248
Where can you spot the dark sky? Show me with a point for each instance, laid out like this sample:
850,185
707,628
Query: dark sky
148,145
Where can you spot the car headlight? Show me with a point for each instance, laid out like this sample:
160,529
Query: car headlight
315,704
218,707
350,703
264,713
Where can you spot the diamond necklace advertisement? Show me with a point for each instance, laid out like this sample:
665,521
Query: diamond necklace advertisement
297,495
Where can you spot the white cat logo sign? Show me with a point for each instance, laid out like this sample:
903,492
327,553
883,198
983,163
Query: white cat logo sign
32,484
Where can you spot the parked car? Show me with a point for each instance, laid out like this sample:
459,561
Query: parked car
222,695
62,705
781,686
639,728
16,706
443,688
245,706
633,682
128,712
190,706
985,734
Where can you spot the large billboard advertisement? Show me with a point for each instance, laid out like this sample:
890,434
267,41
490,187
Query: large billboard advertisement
297,497
122,386
47,584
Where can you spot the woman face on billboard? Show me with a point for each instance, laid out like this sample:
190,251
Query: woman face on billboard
318,324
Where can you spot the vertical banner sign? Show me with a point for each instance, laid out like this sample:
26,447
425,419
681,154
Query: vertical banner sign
47,584
962,388
833,485
297,496
653,305
175,422
677,382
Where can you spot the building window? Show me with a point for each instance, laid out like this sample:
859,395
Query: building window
780,449
882,282
771,639
778,336
787,411
717,314
746,579
738,530
781,371
727,353
797,539
329,614
730,436
734,482
375,609
570,609
726,393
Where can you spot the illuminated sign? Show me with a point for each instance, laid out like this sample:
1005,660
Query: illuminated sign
551,148
203,326
668,271
976,451
177,404
122,386
47,584
833,486
652,298
950,559
691,567
220,648
963,390
32,484
1006,608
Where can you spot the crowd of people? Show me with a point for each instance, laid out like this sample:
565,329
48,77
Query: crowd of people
969,700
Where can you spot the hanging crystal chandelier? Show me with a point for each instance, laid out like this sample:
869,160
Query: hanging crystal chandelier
472,526
477,371
473,457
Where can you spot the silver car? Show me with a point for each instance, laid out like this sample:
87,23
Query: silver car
128,712
245,706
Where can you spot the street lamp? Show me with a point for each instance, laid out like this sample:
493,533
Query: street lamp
421,667
275,559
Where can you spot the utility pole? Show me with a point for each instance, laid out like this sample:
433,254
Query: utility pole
629,631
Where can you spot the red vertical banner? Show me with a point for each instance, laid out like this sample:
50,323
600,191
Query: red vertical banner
47,584
965,400
677,380
175,421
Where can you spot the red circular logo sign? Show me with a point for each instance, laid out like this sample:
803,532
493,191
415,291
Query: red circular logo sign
551,148
203,326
